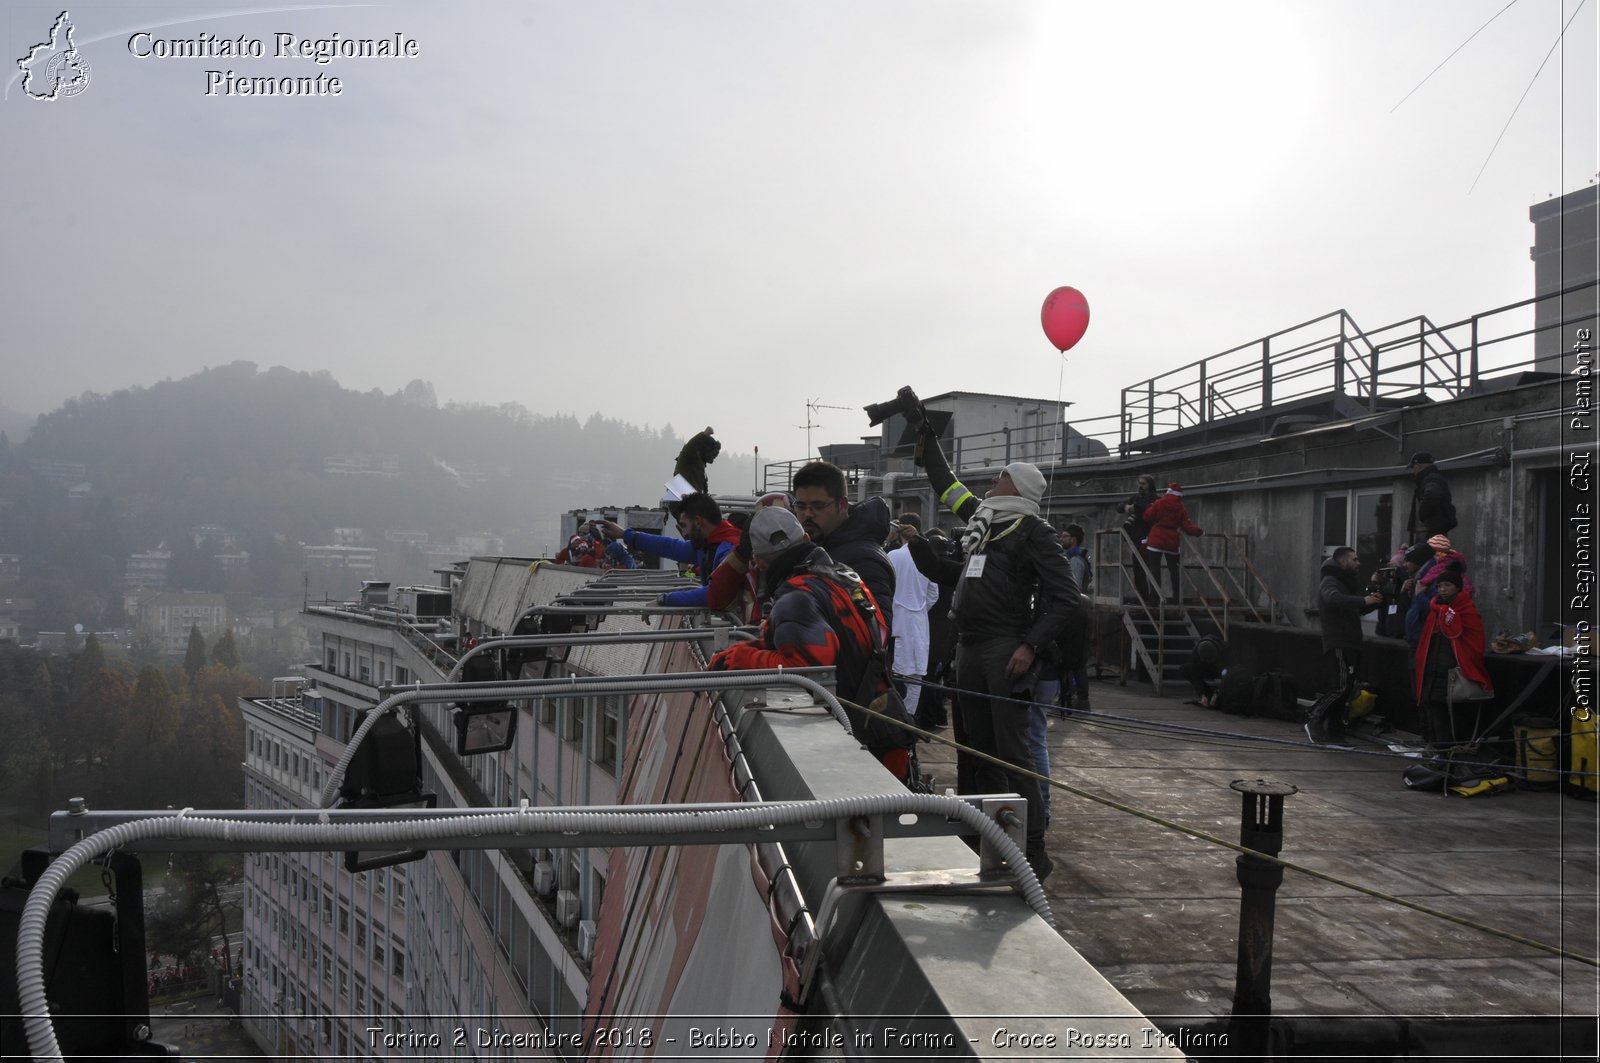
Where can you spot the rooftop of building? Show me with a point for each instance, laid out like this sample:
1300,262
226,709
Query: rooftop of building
1156,911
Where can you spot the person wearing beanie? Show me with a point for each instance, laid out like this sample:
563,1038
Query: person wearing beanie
1452,637
1014,597
1342,605
1443,553
1167,516
1432,511
822,614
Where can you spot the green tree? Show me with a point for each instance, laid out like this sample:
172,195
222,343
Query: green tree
149,763
96,702
212,740
32,755
190,913
225,651
194,658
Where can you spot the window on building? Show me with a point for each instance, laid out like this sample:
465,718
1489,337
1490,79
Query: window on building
572,727
1362,519
609,748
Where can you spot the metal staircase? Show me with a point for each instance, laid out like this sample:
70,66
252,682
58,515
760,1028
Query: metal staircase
1220,586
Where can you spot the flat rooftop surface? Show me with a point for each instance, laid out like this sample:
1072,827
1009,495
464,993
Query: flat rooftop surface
1157,912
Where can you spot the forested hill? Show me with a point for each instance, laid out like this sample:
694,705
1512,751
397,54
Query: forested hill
283,457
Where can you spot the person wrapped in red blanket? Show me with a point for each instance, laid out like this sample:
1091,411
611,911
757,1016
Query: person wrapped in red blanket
1452,637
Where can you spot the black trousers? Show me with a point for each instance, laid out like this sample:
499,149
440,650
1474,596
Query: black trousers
998,727
1344,665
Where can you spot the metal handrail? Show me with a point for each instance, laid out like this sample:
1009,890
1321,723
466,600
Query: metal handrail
1353,360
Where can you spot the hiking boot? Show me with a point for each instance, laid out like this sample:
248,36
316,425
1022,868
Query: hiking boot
1041,863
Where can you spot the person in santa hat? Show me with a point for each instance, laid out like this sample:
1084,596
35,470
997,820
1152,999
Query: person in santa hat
1167,517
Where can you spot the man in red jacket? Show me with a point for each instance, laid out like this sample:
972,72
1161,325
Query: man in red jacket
707,539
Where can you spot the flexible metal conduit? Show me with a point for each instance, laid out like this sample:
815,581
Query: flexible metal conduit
600,684
331,836
581,639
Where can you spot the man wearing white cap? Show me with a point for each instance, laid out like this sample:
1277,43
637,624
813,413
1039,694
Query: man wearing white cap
1015,595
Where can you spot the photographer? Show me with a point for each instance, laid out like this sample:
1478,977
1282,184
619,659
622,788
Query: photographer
1015,595
1340,619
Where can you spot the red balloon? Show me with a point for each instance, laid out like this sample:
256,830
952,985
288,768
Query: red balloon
1065,317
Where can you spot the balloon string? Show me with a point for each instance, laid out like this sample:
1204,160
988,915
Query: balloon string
1049,484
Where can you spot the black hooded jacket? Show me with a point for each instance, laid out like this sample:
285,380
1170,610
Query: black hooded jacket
1342,605
1432,511
858,544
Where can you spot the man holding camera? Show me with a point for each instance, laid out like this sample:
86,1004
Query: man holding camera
1340,619
1015,595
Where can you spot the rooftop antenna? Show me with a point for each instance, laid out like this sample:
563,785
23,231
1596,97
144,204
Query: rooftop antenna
812,406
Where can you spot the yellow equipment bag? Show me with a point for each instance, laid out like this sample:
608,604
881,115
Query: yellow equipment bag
1538,742
1583,755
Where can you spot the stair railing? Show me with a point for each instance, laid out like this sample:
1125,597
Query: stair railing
1115,551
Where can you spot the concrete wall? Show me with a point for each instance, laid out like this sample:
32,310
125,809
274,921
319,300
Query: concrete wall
1492,447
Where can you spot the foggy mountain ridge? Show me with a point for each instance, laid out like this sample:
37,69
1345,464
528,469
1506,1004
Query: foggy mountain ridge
279,458
246,448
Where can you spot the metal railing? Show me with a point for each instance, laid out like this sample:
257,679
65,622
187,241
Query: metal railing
1327,355
1409,359
1224,562
1042,444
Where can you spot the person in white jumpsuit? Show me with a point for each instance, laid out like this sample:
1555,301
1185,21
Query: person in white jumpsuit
914,595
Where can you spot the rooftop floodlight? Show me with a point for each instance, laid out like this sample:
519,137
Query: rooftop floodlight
483,726
372,859
96,980
386,772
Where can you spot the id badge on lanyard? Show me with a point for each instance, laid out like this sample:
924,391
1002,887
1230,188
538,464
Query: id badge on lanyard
975,565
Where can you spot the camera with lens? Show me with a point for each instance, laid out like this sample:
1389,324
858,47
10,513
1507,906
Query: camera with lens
905,402
1386,581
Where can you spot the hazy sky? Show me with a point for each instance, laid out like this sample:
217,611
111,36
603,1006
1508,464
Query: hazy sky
711,212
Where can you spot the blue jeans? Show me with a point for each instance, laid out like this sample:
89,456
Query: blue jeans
1038,729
